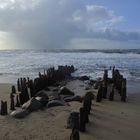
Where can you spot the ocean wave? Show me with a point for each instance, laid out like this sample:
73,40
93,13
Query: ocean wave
21,63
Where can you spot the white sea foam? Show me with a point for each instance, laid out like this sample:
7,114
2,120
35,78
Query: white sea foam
15,64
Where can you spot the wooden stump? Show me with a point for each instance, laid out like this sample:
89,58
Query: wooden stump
17,101
99,94
3,108
111,96
82,120
123,91
104,90
31,87
12,104
75,134
18,85
13,90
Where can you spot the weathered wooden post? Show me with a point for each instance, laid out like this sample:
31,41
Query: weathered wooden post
13,90
86,107
111,97
23,96
99,94
3,108
123,91
21,82
82,120
113,70
39,74
105,77
18,85
12,104
120,79
44,72
28,79
17,101
74,116
21,99
88,101
31,87
104,90
75,134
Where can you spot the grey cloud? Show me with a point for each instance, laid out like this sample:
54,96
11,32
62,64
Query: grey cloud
54,23
116,35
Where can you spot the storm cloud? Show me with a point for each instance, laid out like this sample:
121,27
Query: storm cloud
57,23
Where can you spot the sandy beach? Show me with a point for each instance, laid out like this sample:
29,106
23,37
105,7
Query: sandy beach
108,120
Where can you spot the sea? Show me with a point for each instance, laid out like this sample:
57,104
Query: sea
27,63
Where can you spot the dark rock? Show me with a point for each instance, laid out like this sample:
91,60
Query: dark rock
84,78
62,97
73,98
43,94
32,105
55,103
42,100
47,89
19,114
92,82
56,89
65,91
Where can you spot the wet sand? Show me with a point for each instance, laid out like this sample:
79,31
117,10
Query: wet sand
108,120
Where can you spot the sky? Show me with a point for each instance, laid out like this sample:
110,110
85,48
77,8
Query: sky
69,24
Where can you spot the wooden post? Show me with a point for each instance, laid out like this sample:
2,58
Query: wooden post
120,80
28,80
12,104
3,108
86,110
99,94
13,90
104,90
82,120
123,91
17,101
24,92
75,134
39,74
31,87
105,77
87,102
111,97
18,85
